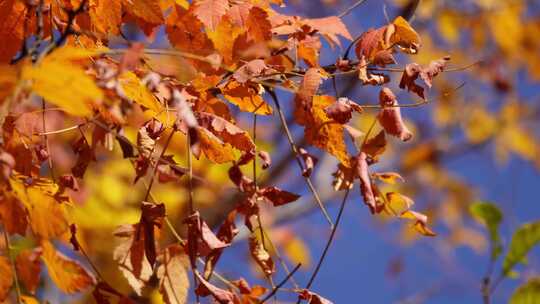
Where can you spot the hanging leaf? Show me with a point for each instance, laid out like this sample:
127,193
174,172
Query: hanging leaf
528,293
523,240
173,276
6,279
63,83
490,216
67,274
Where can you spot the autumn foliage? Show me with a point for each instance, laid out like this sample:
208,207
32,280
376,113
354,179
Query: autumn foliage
125,163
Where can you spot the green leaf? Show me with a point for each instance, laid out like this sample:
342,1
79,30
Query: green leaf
489,215
523,240
528,293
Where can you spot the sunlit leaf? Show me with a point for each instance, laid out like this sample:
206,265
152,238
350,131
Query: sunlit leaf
523,240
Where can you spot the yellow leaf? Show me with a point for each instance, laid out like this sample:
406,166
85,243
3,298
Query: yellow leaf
29,300
246,97
397,203
63,83
448,24
182,3
138,92
70,53
480,125
506,27
225,46
213,148
324,133
405,35
297,251
67,274
47,216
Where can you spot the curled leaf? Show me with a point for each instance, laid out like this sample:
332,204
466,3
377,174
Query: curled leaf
390,116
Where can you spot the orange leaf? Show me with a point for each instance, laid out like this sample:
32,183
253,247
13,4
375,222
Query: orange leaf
13,214
28,269
210,12
6,279
67,274
330,27
106,15
258,25
12,14
324,133
147,10
213,148
246,97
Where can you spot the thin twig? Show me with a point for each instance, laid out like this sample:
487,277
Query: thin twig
298,159
329,242
12,262
152,177
278,286
46,139
351,8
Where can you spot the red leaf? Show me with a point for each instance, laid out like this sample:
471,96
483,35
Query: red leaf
278,197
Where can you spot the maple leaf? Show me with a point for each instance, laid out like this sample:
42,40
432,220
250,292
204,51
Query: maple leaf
173,276
6,280
62,83
210,12
67,274
183,29
46,215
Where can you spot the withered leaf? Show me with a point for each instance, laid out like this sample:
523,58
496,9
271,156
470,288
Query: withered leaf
12,214
227,131
173,276
210,12
309,162
205,288
131,258
390,116
375,146
261,256
151,217
341,110
312,297
85,156
278,197
202,235
365,181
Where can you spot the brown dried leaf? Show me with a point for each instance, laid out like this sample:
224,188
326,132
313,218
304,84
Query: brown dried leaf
278,197
173,276
411,73
361,171
253,68
130,255
312,297
227,131
433,69
375,146
390,116
202,235
261,256
341,110
205,288
370,43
